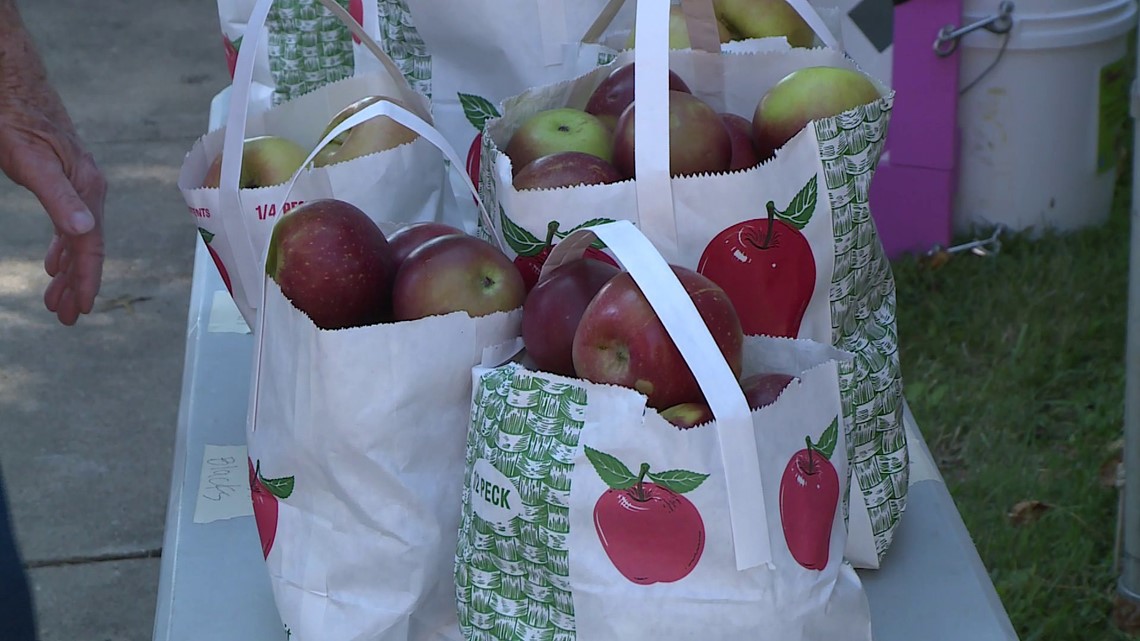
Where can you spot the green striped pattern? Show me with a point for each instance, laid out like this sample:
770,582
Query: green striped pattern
863,317
309,47
512,579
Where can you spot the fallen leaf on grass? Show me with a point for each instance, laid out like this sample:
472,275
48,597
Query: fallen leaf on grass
1025,512
1110,470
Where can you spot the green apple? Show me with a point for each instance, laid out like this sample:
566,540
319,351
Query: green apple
371,136
265,161
764,18
802,96
560,129
679,31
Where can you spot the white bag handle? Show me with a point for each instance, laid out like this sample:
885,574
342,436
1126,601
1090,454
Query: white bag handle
229,192
722,391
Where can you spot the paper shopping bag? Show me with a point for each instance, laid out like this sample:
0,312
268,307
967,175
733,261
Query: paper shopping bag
792,240
588,516
356,441
402,184
309,47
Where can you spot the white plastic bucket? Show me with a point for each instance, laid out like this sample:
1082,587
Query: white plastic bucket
1037,144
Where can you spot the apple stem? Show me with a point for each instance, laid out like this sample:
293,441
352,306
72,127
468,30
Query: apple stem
771,206
811,459
551,229
641,480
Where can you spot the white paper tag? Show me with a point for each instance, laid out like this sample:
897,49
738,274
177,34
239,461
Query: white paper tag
493,496
225,317
223,490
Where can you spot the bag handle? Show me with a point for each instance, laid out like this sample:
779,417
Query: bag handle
229,194
683,322
701,21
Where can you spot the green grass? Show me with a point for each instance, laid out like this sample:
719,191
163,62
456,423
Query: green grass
1014,368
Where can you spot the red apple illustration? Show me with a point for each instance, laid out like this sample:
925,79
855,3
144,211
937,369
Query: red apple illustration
649,531
532,252
356,10
809,495
265,493
231,53
767,267
473,159
207,237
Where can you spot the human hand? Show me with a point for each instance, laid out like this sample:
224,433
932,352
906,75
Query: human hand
40,150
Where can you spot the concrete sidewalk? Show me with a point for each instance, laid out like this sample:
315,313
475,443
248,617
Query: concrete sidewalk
87,414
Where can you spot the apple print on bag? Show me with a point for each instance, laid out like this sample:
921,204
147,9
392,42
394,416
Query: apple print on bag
809,496
478,111
767,267
207,237
532,252
649,531
265,493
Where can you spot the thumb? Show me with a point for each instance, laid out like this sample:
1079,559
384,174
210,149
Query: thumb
67,211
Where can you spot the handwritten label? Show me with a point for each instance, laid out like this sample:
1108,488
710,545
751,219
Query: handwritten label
223,490
225,316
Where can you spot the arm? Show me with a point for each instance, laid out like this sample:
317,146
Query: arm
40,150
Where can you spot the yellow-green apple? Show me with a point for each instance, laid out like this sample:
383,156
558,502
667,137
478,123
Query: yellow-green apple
456,273
333,263
804,95
679,31
405,239
763,389
371,136
265,161
686,415
560,129
566,169
554,307
621,341
698,140
740,132
614,93
763,18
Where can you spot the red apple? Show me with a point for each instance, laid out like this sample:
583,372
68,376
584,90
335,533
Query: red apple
554,130
621,341
806,94
532,253
740,132
809,496
456,273
649,531
553,309
610,98
686,415
333,263
566,169
207,237
761,390
405,239
768,270
698,140
264,493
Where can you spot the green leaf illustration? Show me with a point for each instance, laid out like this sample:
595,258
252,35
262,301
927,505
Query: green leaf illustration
477,109
799,211
206,236
680,481
522,242
593,222
828,439
236,43
612,471
282,488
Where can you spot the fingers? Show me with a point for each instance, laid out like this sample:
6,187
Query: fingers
54,252
70,215
75,285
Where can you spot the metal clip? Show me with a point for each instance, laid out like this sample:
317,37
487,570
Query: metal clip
947,41
938,255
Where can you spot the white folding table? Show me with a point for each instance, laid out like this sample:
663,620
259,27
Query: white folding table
214,584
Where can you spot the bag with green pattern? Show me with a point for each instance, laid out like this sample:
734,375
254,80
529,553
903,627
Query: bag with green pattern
587,516
308,47
792,240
